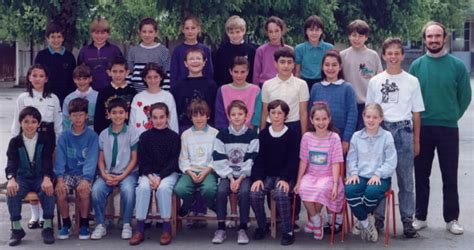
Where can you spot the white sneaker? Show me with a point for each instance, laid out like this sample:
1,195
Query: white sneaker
356,229
99,232
419,224
308,227
454,227
126,231
370,233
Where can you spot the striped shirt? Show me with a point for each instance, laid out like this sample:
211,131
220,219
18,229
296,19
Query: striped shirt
320,153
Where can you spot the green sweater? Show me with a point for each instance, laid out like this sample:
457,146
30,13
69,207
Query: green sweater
445,87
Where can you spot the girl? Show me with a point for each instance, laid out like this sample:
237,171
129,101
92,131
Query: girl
319,182
371,161
235,149
308,55
339,95
158,152
239,89
140,115
149,50
264,64
191,27
38,95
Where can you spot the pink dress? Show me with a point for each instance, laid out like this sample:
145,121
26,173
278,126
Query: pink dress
316,184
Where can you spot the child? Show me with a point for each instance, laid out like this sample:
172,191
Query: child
371,161
195,86
264,67
239,89
117,160
399,94
149,50
191,28
235,150
359,63
118,87
273,170
195,160
59,62
308,55
158,152
339,95
82,78
236,46
319,182
140,115
76,162
30,169
98,54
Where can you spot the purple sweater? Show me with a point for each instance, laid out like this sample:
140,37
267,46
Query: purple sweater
178,70
264,64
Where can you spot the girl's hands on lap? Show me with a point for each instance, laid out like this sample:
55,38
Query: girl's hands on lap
256,186
354,179
375,180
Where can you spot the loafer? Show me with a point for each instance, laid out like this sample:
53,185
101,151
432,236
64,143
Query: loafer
137,238
165,238
16,236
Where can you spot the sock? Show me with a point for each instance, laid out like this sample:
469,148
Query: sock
41,214
140,226
35,214
221,225
364,223
339,218
166,226
316,219
48,223
84,222
243,226
16,225
67,222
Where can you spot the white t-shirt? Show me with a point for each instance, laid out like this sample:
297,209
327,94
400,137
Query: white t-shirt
399,95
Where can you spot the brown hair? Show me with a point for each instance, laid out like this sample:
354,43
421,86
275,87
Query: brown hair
283,52
237,104
81,71
322,106
280,23
430,23
239,60
311,22
162,106
78,104
99,24
358,26
335,54
392,41
279,103
198,106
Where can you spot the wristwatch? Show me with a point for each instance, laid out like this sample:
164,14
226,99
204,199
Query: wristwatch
10,176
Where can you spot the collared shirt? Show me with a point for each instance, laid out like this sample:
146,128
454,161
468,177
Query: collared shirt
310,58
293,91
117,148
118,87
52,51
30,145
338,82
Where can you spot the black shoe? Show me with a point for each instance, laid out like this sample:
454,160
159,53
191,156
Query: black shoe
48,235
379,225
41,224
33,224
287,239
183,211
296,228
159,225
16,236
337,228
260,233
408,230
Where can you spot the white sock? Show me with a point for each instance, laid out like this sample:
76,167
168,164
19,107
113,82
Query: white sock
339,219
316,220
40,213
364,223
35,212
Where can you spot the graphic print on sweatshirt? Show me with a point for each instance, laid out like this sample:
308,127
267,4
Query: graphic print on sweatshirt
389,92
365,72
236,157
148,124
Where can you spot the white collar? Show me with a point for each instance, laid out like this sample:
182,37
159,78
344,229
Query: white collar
149,47
338,82
278,134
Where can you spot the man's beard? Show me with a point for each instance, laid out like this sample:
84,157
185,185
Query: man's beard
436,50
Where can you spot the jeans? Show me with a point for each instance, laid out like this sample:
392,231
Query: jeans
446,142
185,189
363,198
403,136
26,185
100,192
223,192
164,194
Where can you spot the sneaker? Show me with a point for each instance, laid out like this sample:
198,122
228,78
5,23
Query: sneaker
318,232
219,237
454,227
63,233
126,231
84,233
16,236
328,227
259,233
370,233
308,227
231,224
48,235
242,237
379,224
408,229
356,229
99,232
287,239
419,224
296,228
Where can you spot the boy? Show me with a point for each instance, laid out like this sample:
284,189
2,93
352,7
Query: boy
399,94
235,27
195,159
82,78
99,53
117,161
59,62
118,87
76,161
359,63
30,169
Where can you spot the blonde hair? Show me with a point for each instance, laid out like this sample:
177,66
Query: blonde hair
99,24
235,22
374,106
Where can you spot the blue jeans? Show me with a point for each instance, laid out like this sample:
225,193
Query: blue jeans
26,185
403,136
100,192
363,198
243,194
163,194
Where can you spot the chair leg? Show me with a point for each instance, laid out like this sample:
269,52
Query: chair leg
173,215
393,214
387,219
272,216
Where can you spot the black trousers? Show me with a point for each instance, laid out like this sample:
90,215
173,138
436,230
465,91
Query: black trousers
446,142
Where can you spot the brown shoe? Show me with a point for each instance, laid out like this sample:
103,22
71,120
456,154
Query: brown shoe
137,238
165,238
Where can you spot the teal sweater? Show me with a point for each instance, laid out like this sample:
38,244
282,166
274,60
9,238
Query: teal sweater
445,87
